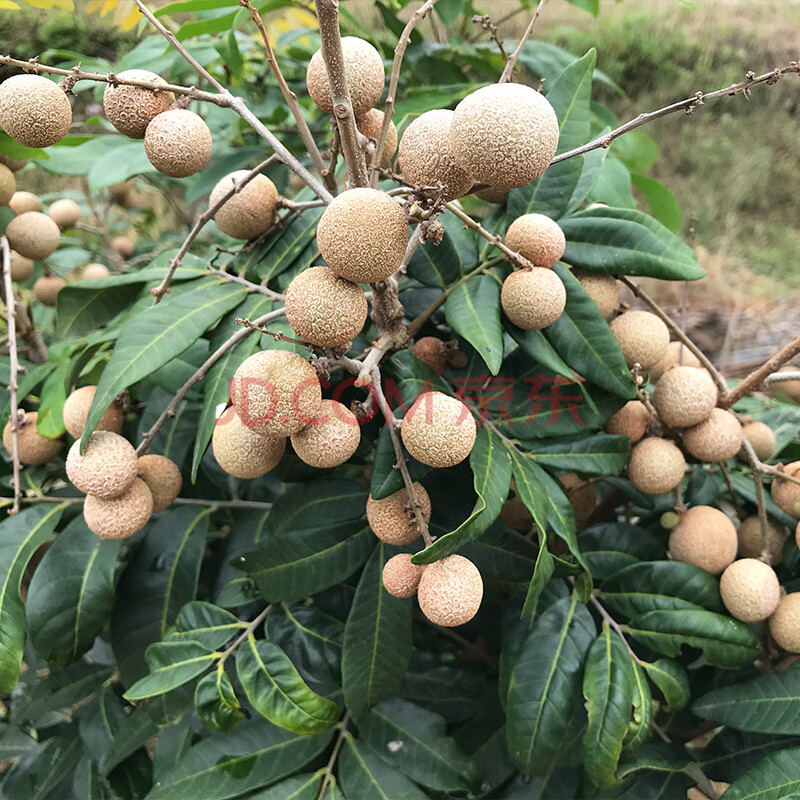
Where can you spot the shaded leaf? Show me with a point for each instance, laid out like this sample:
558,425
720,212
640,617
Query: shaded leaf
206,623
171,665
216,702
365,776
671,680
775,777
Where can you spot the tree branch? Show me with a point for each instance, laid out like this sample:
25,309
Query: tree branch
14,368
752,460
327,774
512,59
780,377
763,373
247,632
256,288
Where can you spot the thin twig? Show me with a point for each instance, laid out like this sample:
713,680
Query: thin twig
248,631
780,377
485,21
758,376
327,772
752,460
373,358
255,288
276,335
729,483
14,369
615,626
512,59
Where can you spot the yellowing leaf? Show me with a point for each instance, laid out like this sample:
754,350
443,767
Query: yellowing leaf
122,12
94,6
109,5
131,21
64,5
40,3
8,5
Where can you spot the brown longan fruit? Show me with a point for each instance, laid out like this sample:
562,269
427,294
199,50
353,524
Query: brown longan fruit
716,438
750,590
400,576
46,289
107,467
450,591
786,494
677,355
76,410
533,298
241,450
704,537
65,213
582,495
494,194
516,515
684,396
34,110
324,309
784,624
693,793
438,430
8,185
603,289
178,143
363,235
656,465
642,337
119,517
630,421
251,210
537,238
33,235
95,272
123,245
25,201
14,164
33,448
750,544
130,109
163,479
392,518
761,439
790,389
21,267
331,440
370,125
433,352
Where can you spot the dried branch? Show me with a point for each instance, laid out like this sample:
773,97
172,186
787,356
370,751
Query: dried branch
14,368
276,335
511,62
485,21
758,376
255,288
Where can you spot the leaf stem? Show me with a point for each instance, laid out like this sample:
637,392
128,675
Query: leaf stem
327,772
247,632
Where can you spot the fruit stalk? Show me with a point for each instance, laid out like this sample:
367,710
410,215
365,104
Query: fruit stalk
8,292
512,59
760,375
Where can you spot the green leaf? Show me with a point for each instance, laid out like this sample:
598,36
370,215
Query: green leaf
99,724
491,471
205,26
282,249
639,725
597,454
743,486
537,346
442,264
472,310
185,6
20,537
377,639
608,685
206,623
171,665
620,241
87,782
662,202
276,690
775,777
15,744
135,730
154,337
298,787
545,685
363,774
450,10
504,557
71,593
671,680
543,571
725,642
124,161
216,701
609,547
11,147
386,479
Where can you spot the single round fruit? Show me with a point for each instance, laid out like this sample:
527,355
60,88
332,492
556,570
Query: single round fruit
790,389
750,544
331,439
761,439
324,309
494,194
786,494
533,298
704,537
438,430
8,185
33,448
784,624
46,289
603,289
178,143
684,396
95,272
505,134
14,164
642,337
630,421
65,213
76,409
716,438
363,69
33,235
34,110
750,590
25,201
516,515
433,352
243,452
21,267
107,467
130,109
400,576
250,211
363,235
537,238
370,125
656,465
669,520
677,355
693,793
163,479
276,393
582,495
392,518
426,155
123,245
119,517
450,591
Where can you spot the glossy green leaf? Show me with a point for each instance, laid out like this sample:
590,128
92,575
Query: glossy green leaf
671,680
609,547
775,777
298,787
135,730
505,557
537,346
216,702
282,249
171,665
386,479
545,566
206,623
442,264
364,775
15,744
597,454
639,725
100,722
661,200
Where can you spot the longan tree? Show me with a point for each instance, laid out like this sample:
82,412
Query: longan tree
376,487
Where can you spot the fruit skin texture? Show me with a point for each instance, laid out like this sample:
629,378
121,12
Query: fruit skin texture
603,289
76,409
65,213
630,421
684,396
46,289
370,125
276,393
163,479
119,517
251,211
363,235
537,238
642,337
761,439
94,272
438,430
324,309
25,201
717,438
491,194
123,245
21,267
391,518
749,535
107,468
363,68
34,110
333,441
656,465
787,494
433,352
505,135
533,298
33,447
706,538
8,185
426,154
672,358
241,451
130,109
784,624
450,591
401,577
178,143
750,590
33,235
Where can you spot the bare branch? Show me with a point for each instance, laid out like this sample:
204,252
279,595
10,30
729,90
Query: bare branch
276,335
512,59
327,773
255,288
485,21
248,631
14,369
757,377
780,377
